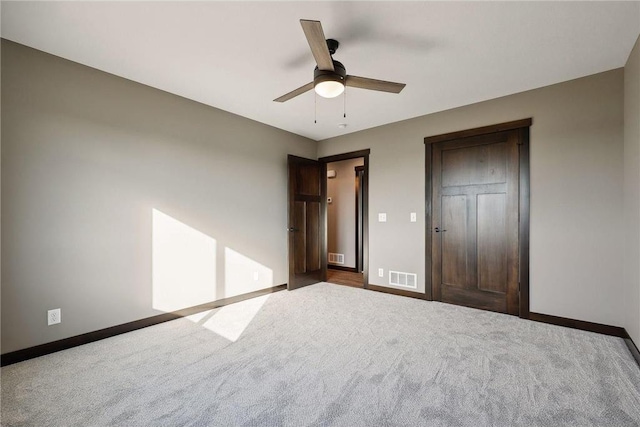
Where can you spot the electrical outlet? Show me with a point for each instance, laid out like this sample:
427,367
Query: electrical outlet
54,316
382,217
414,217
381,272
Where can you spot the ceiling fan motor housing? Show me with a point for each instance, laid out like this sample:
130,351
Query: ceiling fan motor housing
332,45
339,74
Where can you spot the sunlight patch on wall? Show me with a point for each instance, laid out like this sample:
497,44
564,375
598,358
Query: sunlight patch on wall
232,320
243,275
183,264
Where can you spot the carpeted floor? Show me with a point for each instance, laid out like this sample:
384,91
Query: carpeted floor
330,355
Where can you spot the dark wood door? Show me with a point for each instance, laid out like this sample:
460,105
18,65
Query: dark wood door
306,222
474,228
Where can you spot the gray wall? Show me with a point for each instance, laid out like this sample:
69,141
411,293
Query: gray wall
341,213
632,194
576,191
86,159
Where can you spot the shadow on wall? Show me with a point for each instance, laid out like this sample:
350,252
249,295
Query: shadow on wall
184,271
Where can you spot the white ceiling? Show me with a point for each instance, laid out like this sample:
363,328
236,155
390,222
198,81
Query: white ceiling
239,56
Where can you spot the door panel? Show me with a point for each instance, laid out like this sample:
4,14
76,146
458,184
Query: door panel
454,251
475,298
309,179
483,164
492,238
475,221
313,236
306,222
300,239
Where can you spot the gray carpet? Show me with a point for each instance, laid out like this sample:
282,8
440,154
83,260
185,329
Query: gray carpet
329,355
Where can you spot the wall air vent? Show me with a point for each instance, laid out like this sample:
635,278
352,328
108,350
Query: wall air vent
405,280
336,258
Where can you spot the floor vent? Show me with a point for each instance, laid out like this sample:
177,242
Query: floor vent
336,258
406,280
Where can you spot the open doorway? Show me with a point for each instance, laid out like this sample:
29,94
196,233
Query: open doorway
347,224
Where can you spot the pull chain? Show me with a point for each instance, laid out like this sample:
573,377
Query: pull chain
345,103
315,107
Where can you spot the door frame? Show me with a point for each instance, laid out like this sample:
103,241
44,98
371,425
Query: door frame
365,208
524,203
360,173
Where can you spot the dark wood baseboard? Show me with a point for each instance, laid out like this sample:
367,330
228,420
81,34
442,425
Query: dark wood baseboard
395,291
599,328
341,268
66,343
632,348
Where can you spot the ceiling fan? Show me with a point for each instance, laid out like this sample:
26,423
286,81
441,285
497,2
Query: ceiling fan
330,76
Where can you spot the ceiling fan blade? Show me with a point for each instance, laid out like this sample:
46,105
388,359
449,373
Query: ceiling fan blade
318,44
294,93
373,84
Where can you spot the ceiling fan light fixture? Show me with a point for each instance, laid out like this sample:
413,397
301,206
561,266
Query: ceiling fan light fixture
330,83
329,88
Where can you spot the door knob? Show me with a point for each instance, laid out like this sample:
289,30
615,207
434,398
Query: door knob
291,229
437,230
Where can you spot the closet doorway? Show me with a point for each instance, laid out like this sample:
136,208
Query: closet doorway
347,224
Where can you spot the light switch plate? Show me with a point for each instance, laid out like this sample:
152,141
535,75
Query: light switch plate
414,217
382,217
